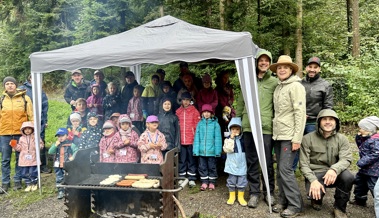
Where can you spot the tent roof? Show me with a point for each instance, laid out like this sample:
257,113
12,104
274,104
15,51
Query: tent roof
160,41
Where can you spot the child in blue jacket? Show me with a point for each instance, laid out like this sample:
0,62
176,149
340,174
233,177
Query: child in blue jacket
235,164
367,141
207,145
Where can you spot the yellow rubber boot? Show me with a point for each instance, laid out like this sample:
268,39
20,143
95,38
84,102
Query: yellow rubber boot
232,198
241,198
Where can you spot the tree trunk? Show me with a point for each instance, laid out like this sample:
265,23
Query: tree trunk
209,12
259,12
356,34
348,18
222,14
299,37
161,11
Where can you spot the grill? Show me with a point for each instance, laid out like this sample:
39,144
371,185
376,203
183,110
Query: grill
85,197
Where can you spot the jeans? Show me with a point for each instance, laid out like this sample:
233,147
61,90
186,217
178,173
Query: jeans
343,185
308,128
6,160
30,175
59,176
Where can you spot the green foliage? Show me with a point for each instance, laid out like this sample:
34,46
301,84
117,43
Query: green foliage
355,84
58,114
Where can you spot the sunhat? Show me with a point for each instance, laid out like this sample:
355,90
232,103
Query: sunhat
284,59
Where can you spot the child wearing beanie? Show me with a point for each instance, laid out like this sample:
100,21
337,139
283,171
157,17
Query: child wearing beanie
367,141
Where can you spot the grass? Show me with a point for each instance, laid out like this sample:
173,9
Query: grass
58,114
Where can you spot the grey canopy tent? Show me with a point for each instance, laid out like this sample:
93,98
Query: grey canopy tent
161,41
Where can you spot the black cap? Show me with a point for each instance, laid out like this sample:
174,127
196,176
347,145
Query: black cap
315,60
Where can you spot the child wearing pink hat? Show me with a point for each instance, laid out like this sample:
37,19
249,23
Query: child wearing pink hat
152,142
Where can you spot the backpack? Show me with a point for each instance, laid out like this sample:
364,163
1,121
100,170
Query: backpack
23,97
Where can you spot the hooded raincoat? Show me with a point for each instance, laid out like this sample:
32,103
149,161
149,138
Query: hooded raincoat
319,154
235,163
26,147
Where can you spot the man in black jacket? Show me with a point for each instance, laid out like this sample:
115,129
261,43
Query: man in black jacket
127,90
319,93
77,88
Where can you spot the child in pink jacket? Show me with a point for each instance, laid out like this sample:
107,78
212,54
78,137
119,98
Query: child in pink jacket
152,142
128,152
109,143
27,160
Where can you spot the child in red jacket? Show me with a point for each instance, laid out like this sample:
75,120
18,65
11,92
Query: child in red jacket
188,116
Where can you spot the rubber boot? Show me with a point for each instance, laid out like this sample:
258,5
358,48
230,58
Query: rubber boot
241,198
232,198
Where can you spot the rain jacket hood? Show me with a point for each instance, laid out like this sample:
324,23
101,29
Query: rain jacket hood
29,124
236,121
327,113
264,52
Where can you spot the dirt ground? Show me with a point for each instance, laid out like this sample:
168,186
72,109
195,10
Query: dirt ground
207,203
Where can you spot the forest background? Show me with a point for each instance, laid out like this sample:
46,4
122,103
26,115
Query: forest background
343,33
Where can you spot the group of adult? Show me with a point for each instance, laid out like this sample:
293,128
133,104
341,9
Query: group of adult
296,115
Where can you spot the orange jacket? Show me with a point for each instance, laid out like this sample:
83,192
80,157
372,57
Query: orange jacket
188,119
13,113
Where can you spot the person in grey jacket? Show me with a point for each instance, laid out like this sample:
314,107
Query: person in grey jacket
325,157
319,93
319,96
288,128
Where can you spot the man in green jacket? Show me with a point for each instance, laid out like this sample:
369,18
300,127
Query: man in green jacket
266,86
325,156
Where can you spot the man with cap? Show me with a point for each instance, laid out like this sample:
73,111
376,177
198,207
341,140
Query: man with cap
98,78
319,93
325,157
127,90
266,87
77,88
45,107
15,108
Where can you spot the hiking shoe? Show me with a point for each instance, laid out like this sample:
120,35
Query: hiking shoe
287,213
278,208
211,186
17,186
204,187
34,188
28,188
45,169
253,202
60,195
272,199
4,188
191,184
339,214
358,203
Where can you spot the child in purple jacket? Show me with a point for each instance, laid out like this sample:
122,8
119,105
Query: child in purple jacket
95,101
135,108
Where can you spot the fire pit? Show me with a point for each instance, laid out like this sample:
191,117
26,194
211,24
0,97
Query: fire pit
85,197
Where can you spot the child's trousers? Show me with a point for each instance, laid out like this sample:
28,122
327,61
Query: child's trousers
236,182
187,162
208,169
